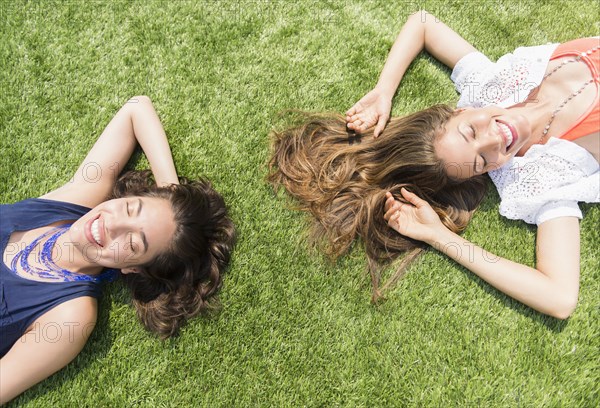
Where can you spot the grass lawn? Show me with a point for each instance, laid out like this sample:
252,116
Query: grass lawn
295,330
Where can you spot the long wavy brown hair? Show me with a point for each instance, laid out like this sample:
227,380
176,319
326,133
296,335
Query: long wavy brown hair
183,281
341,178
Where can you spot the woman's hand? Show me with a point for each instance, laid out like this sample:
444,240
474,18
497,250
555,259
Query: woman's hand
415,219
552,288
422,30
373,109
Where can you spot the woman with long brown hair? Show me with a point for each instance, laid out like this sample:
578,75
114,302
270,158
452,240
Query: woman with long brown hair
169,237
423,174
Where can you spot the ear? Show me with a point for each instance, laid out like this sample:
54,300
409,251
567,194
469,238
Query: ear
133,269
460,110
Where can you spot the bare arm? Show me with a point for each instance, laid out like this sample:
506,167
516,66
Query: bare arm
551,287
421,30
55,340
136,122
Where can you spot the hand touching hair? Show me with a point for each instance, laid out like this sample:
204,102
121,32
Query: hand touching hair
341,178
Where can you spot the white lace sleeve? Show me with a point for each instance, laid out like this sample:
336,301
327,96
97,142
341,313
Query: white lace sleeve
547,182
482,82
469,71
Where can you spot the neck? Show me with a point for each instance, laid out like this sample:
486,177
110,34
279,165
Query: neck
536,112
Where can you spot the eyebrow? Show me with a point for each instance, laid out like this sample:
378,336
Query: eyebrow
144,240
467,141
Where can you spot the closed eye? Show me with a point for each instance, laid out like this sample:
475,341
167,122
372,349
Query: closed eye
464,132
479,169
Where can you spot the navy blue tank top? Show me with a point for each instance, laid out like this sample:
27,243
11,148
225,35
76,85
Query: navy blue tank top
23,300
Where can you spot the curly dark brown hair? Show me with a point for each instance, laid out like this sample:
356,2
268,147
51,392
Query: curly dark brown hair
183,281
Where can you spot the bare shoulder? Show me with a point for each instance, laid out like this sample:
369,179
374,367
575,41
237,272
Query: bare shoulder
75,319
83,307
52,341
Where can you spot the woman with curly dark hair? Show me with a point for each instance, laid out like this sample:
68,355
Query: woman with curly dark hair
170,239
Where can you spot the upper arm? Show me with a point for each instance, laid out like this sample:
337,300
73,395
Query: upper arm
557,253
445,44
55,339
94,179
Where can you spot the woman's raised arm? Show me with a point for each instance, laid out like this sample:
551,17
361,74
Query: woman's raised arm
551,288
421,30
136,122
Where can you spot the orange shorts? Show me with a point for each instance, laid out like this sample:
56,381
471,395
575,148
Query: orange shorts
589,121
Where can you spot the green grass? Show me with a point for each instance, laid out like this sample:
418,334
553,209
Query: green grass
295,329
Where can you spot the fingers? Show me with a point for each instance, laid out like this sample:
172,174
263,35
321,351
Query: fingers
358,119
357,122
351,117
354,118
412,198
356,108
381,123
389,201
359,125
354,121
393,212
356,125
391,207
394,220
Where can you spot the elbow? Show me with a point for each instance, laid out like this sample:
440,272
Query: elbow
564,306
417,14
421,16
138,103
140,99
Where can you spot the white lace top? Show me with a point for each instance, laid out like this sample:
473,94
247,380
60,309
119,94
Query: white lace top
549,180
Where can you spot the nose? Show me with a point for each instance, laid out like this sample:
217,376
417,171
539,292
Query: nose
490,142
120,226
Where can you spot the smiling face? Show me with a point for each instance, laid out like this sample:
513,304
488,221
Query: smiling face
124,232
478,140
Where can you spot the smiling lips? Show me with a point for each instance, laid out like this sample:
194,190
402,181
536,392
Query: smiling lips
508,133
93,233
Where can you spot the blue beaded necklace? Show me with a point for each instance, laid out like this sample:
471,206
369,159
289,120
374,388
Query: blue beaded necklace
51,270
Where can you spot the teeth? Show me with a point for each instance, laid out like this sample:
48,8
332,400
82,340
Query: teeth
506,131
95,231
